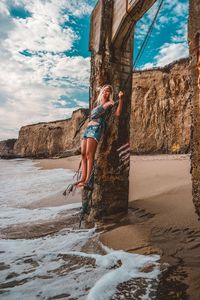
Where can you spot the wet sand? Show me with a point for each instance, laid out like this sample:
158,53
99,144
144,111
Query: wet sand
161,220
70,163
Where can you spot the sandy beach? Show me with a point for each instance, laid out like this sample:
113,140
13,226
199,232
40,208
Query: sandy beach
161,219
70,163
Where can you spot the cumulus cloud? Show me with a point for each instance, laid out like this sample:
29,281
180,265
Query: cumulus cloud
171,12
3,9
39,35
170,52
30,97
39,81
175,49
173,16
43,30
181,33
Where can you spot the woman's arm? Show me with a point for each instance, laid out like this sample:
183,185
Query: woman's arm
120,104
108,104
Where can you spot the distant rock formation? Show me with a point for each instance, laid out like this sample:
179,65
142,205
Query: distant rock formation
160,119
52,138
6,148
49,139
161,109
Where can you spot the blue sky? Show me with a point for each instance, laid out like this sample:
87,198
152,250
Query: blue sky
45,62
168,40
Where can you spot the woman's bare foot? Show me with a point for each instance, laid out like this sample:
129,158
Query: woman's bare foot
78,182
81,184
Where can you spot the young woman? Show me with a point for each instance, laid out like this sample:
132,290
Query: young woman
94,131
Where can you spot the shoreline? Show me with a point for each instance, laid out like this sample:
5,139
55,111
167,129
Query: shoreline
161,220
70,163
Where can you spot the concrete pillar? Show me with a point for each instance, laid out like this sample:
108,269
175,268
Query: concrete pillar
111,46
113,66
194,48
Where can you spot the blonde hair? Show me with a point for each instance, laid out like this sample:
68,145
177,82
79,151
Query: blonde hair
98,101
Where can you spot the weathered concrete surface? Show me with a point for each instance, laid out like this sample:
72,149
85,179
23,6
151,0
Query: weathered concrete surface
52,138
194,47
95,30
125,14
112,63
161,110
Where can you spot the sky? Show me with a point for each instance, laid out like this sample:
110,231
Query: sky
45,61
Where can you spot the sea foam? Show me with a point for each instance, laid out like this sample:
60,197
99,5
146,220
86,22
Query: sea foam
56,265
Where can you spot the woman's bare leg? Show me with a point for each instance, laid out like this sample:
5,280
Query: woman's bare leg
83,161
91,148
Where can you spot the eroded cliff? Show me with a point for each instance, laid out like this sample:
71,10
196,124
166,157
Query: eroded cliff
160,119
7,148
161,109
52,138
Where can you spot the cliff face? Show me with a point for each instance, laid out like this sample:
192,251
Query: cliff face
160,119
52,138
6,148
161,110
